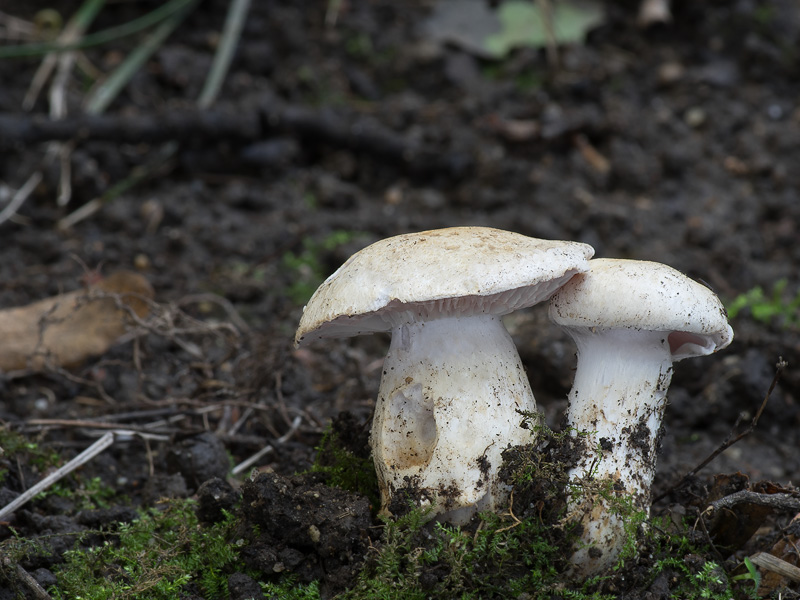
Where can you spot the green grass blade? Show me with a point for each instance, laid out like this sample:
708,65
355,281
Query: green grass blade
237,12
101,37
102,96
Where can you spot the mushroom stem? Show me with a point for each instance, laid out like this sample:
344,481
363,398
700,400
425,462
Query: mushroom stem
447,408
619,396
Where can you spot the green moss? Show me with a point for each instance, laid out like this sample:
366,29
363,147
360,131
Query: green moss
155,557
520,553
289,589
709,581
347,466
15,446
778,306
503,558
523,552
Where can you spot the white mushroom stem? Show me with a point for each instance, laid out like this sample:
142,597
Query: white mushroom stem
619,396
446,409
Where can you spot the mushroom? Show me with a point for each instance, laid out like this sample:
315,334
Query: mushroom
452,384
630,321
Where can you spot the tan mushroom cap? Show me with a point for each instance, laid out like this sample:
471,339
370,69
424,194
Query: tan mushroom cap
430,274
642,295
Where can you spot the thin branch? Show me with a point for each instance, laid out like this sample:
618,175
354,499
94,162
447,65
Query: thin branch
731,440
251,119
788,502
222,302
20,197
73,31
27,579
267,449
82,458
248,462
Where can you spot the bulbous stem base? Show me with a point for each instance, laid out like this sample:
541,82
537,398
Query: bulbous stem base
447,407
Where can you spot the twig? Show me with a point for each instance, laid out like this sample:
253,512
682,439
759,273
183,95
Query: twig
127,430
256,117
84,457
731,440
72,32
19,198
162,160
709,540
58,110
789,502
267,449
295,426
27,579
14,28
222,302
245,464
777,565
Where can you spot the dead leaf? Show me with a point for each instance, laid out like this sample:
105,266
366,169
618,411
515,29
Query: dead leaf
67,329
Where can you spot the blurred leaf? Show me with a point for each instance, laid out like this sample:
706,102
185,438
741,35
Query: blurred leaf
474,27
524,24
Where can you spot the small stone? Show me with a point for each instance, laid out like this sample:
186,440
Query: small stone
695,117
141,262
670,73
313,533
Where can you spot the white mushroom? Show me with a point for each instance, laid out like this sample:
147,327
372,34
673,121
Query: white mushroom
452,381
630,321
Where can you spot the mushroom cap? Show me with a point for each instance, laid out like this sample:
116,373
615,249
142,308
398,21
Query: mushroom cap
444,272
644,296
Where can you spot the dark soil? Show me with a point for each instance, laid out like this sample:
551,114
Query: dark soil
679,143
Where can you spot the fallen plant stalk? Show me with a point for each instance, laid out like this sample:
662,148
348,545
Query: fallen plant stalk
767,561
267,449
82,458
20,196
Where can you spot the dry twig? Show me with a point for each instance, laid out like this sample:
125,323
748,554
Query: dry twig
789,502
731,439
84,457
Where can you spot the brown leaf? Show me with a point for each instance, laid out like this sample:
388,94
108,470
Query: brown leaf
67,329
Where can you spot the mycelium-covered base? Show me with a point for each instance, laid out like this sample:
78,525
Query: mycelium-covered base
618,396
447,407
